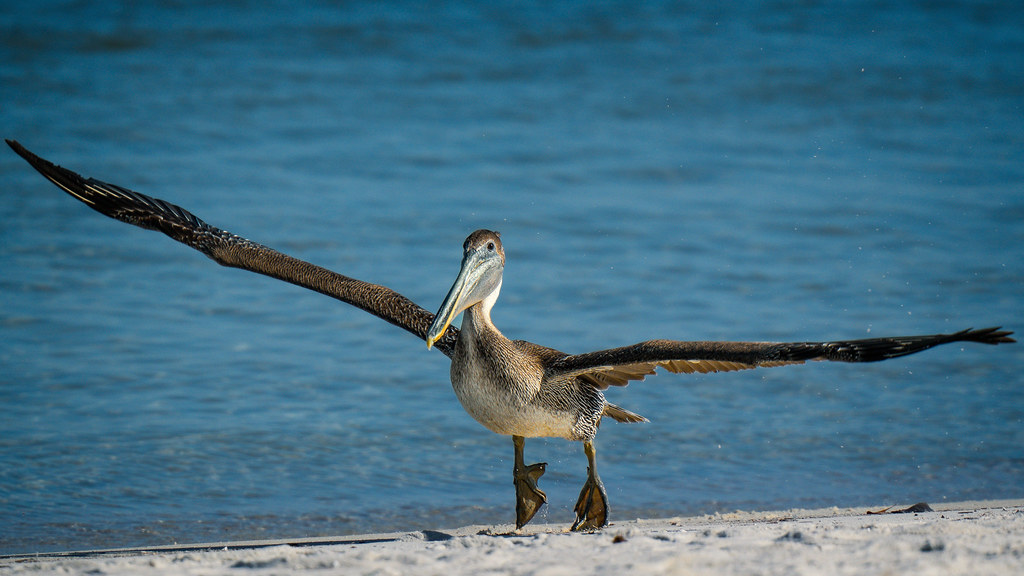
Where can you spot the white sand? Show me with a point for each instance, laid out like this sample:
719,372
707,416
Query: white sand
958,538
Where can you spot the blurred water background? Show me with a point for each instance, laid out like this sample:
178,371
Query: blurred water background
751,170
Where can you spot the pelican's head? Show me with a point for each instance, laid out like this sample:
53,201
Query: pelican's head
483,260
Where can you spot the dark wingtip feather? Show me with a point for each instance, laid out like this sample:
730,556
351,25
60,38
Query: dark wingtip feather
993,335
67,180
31,158
23,152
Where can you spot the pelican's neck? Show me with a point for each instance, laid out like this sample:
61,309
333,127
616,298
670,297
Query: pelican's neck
478,316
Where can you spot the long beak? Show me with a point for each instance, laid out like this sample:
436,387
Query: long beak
456,300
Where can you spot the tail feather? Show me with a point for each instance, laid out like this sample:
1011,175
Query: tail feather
621,414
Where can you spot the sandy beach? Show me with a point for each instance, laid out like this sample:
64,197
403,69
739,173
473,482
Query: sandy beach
954,538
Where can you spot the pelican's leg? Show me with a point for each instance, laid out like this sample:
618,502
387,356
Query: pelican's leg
529,498
592,506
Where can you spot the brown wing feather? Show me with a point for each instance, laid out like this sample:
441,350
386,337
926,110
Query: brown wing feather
618,366
234,251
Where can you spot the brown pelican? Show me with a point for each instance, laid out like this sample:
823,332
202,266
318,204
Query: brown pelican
512,387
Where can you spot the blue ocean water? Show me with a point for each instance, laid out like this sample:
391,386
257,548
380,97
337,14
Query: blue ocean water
676,170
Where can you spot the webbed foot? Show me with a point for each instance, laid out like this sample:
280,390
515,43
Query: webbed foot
592,505
529,498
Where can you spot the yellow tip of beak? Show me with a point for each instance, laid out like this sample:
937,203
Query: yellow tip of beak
431,341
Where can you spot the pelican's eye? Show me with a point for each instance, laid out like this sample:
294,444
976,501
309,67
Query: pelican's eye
490,246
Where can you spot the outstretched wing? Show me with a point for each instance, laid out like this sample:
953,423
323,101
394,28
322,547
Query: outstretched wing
234,251
617,366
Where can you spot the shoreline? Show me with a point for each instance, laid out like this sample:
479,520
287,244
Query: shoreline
957,537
